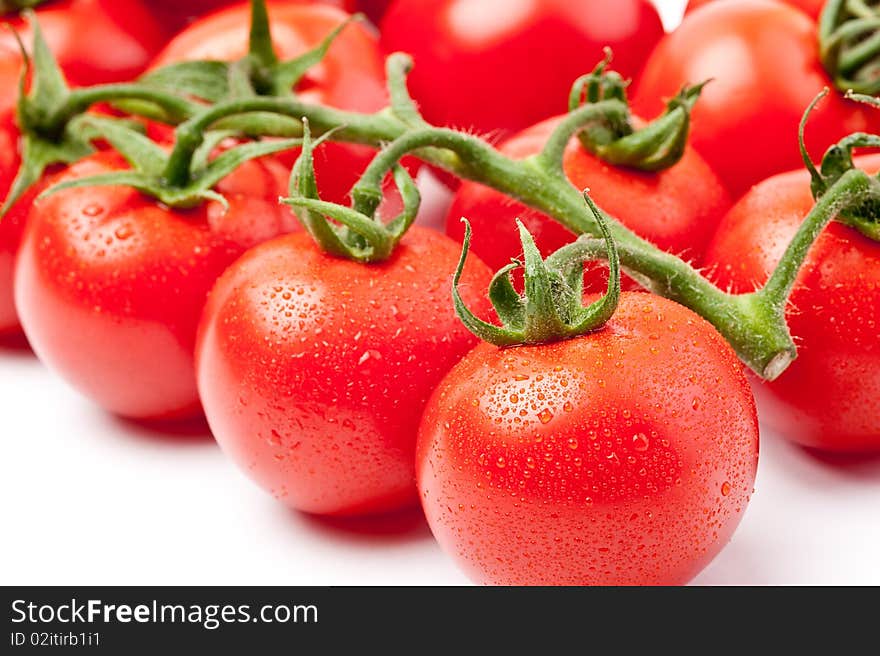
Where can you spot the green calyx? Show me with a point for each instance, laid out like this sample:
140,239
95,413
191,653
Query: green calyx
358,232
849,44
550,309
614,138
43,144
150,164
51,116
864,213
259,73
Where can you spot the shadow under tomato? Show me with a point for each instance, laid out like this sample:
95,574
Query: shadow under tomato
403,526
864,466
183,432
15,345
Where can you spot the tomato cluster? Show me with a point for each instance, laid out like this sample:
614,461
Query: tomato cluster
555,429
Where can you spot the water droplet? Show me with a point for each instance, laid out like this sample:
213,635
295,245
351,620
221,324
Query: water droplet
572,443
567,406
372,353
640,442
501,462
545,416
530,462
92,209
123,232
725,489
695,404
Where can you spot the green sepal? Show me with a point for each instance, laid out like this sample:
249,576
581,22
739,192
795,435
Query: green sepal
37,155
207,80
149,161
41,149
615,139
661,143
849,45
508,304
545,296
286,75
258,73
837,161
595,87
354,234
550,308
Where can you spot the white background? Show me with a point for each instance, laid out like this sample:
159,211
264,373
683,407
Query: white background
91,499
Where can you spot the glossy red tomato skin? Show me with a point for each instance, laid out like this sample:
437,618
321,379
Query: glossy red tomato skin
812,8
109,284
502,66
625,457
314,370
676,209
762,57
829,398
350,77
12,225
83,34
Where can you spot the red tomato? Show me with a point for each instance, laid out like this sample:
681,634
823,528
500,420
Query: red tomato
677,209
374,9
763,59
178,13
507,65
11,225
314,370
350,77
110,284
811,7
829,398
94,41
626,456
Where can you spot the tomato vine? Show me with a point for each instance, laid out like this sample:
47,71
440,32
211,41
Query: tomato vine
753,323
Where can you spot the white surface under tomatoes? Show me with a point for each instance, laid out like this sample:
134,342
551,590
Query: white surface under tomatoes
90,499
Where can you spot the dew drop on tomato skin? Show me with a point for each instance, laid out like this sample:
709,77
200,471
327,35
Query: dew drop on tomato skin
337,358
629,488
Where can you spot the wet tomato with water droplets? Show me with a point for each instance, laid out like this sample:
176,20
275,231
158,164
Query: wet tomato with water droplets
109,284
314,370
829,398
626,456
